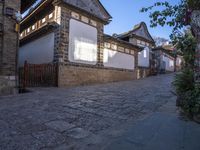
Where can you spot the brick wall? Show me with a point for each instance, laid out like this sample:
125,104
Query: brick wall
8,46
78,75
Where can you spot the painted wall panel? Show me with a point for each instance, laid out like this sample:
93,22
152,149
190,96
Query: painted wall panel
82,43
118,60
169,63
178,61
38,51
143,58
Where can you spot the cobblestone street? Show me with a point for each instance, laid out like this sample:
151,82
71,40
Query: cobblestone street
81,117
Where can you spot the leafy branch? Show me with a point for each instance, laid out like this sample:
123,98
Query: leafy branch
176,16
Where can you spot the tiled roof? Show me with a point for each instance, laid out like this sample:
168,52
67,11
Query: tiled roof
139,30
106,36
93,7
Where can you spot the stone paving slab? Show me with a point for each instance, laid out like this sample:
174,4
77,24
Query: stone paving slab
161,131
59,125
80,117
77,133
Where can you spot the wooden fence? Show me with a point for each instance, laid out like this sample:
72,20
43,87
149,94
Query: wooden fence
34,75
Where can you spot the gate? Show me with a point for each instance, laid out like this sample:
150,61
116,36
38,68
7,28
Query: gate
38,75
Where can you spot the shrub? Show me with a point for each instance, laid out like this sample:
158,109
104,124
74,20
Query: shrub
184,81
191,101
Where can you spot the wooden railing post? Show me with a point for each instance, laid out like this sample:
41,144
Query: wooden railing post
56,74
25,75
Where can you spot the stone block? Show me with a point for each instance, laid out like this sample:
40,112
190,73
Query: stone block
60,125
78,133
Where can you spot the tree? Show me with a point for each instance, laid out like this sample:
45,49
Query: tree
160,41
186,13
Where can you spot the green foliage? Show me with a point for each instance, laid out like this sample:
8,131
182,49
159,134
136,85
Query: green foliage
193,4
191,101
186,88
176,16
171,15
184,81
186,46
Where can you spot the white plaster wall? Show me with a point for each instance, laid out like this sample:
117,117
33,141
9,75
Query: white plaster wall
169,63
82,43
118,60
143,58
38,51
178,61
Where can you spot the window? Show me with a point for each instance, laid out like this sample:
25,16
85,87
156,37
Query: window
132,52
75,15
138,41
113,46
127,50
121,49
43,20
143,43
84,19
145,53
107,45
33,27
28,30
94,23
50,15
171,63
9,11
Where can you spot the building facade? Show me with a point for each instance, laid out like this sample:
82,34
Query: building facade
71,33
8,45
166,61
140,36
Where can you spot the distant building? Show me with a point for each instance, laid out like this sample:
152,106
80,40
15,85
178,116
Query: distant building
166,60
159,41
140,36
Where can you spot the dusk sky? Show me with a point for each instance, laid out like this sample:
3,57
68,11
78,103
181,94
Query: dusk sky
126,14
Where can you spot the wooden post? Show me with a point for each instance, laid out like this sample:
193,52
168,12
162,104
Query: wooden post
25,75
56,70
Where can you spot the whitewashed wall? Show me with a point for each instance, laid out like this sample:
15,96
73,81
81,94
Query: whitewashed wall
169,63
178,61
38,51
82,43
118,60
143,58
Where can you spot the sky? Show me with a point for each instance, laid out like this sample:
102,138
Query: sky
126,14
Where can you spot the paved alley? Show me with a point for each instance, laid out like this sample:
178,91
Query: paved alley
132,114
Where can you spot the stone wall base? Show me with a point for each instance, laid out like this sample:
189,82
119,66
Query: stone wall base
7,85
76,75
143,73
